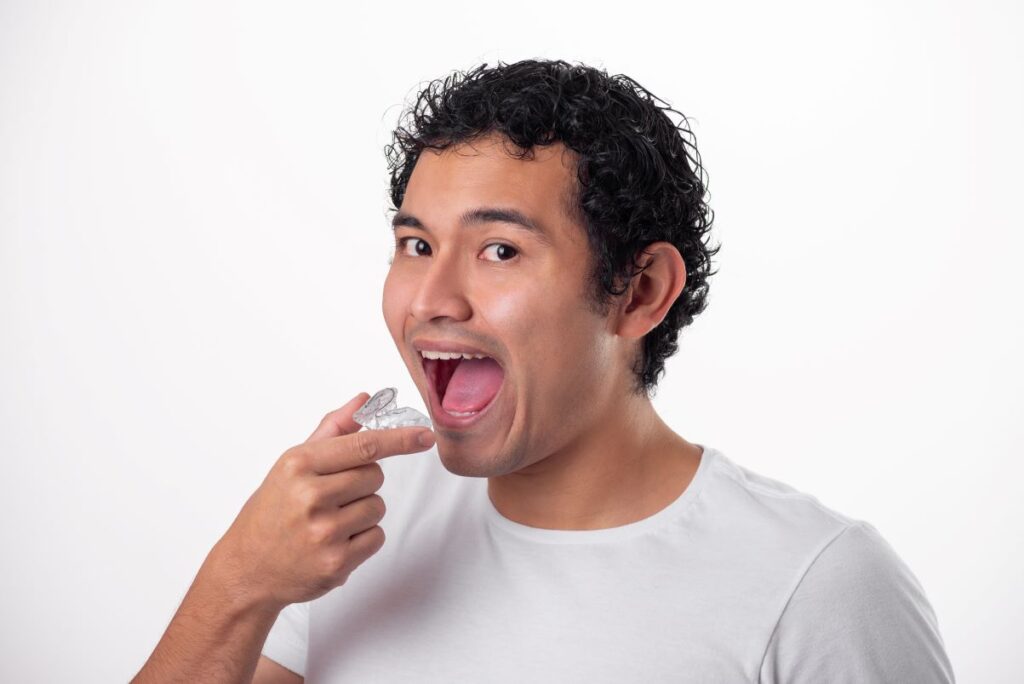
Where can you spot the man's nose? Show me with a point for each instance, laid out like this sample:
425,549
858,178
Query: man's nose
441,293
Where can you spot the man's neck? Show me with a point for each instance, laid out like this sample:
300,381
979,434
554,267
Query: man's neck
627,468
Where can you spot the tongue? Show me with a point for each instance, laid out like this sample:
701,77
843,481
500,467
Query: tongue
473,384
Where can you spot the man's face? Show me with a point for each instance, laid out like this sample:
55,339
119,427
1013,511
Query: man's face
496,287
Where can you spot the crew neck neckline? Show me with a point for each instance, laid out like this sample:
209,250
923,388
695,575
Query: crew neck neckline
608,534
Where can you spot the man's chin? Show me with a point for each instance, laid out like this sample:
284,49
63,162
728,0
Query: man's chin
473,463
464,463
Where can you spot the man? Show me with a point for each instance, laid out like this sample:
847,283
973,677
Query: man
551,241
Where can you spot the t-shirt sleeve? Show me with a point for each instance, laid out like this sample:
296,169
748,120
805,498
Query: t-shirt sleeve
858,615
288,639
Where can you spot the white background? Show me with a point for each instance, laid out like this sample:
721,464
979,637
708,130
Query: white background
193,241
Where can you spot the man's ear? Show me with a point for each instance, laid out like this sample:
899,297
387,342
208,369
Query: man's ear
652,291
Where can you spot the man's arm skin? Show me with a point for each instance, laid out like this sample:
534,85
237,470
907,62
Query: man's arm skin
216,635
269,672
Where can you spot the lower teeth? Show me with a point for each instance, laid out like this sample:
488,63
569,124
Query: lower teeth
460,414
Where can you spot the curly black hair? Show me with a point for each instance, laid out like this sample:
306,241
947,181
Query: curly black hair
640,177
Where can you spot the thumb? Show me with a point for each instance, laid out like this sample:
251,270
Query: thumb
339,421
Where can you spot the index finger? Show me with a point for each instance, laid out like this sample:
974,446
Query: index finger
336,454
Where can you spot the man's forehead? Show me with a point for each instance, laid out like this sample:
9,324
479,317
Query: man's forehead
476,181
491,164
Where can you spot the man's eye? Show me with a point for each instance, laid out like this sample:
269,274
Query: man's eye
402,242
502,251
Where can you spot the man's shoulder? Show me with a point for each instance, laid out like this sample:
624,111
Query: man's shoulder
858,612
818,566
748,502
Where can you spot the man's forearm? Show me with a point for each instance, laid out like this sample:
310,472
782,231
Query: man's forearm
216,634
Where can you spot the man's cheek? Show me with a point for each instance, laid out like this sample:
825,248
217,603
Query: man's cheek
397,295
393,316
512,307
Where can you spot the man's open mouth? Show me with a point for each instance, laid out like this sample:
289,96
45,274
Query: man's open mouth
463,386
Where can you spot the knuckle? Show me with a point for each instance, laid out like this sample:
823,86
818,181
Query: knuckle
377,535
370,474
308,496
371,540
334,563
377,476
411,442
293,462
377,506
366,447
321,532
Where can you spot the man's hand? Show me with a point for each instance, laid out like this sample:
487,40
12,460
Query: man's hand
311,522
314,518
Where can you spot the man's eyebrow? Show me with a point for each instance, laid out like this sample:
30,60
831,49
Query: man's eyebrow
480,215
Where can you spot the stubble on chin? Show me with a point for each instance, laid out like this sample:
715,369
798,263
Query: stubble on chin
468,463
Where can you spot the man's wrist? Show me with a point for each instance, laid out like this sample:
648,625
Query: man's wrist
221,582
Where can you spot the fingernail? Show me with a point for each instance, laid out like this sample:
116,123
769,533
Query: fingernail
426,438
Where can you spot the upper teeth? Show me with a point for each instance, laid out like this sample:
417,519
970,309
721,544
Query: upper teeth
450,355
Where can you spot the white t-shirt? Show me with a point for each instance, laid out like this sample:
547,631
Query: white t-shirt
740,579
